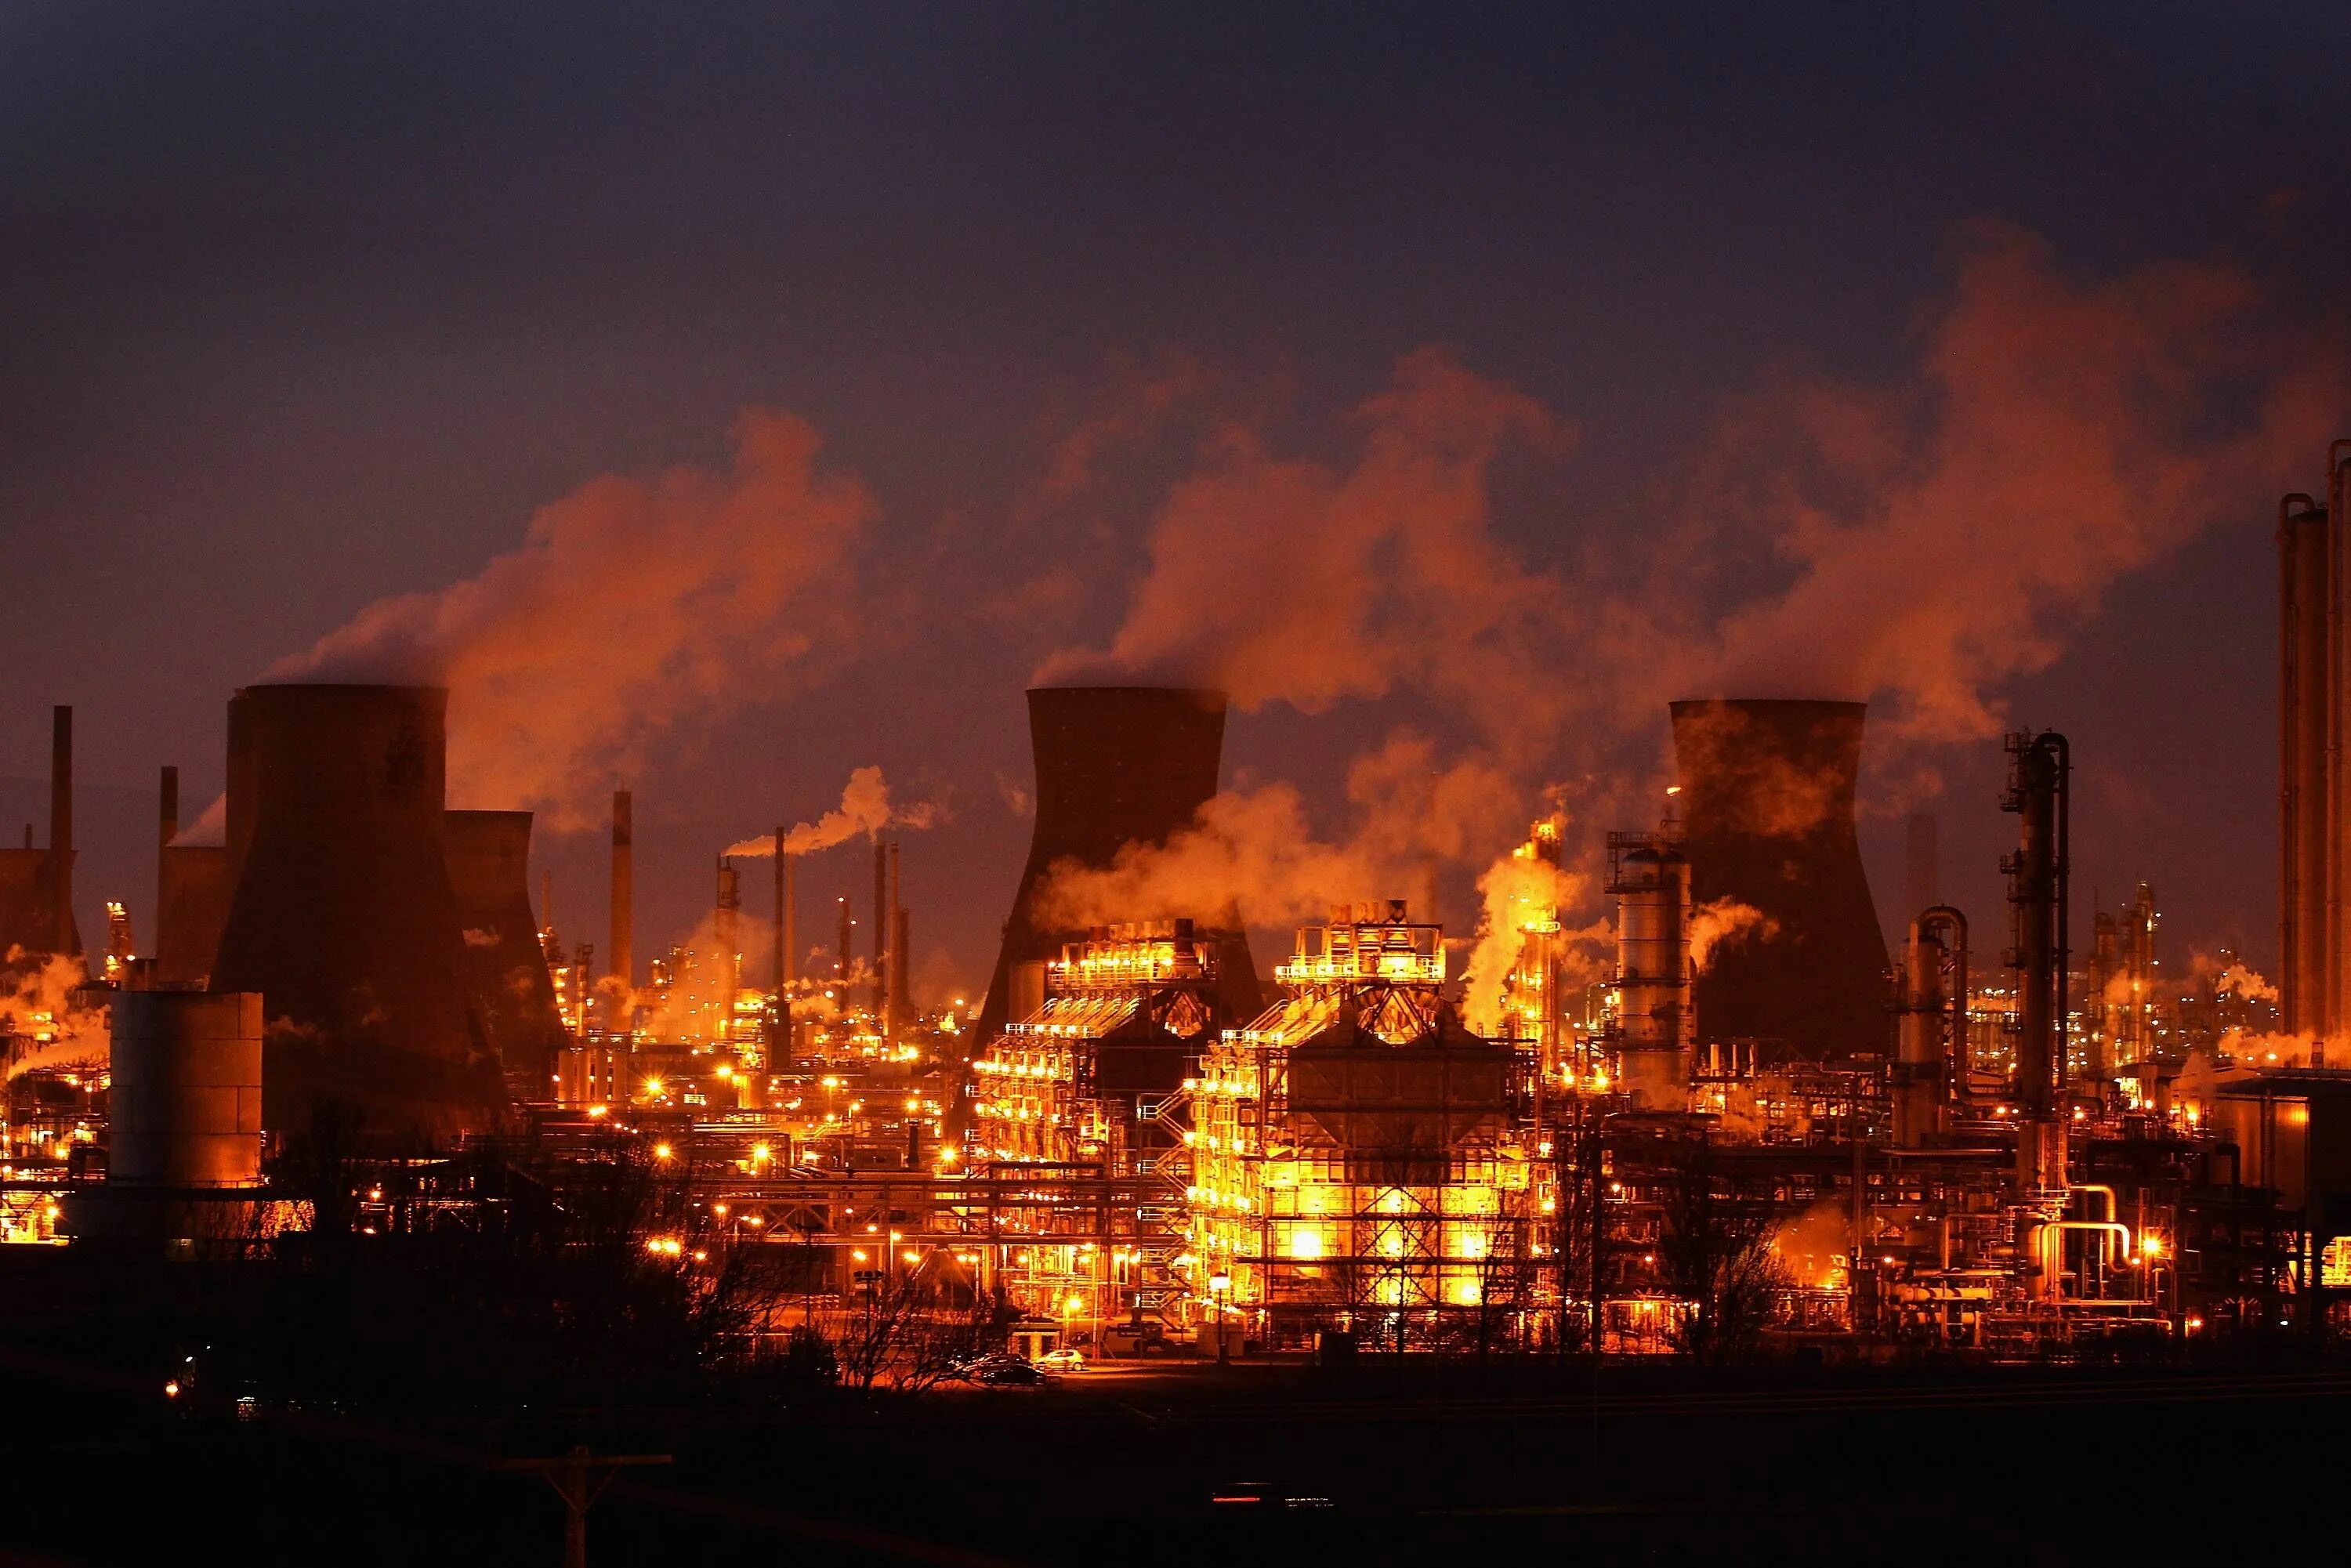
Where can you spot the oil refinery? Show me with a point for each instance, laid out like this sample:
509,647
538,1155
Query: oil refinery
1735,1124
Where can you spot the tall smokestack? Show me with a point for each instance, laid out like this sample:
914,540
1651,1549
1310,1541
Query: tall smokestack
1117,766
1768,803
880,907
723,932
2311,797
790,919
344,918
842,955
66,937
2038,789
624,967
781,939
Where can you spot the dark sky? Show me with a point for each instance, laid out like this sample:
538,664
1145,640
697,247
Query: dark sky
301,306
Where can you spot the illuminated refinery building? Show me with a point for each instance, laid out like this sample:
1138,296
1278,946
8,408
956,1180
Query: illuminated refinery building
1360,1158
1084,1078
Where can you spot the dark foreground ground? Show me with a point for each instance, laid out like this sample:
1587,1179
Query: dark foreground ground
1206,1465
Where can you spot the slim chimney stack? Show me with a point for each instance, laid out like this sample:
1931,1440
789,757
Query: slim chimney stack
880,907
623,887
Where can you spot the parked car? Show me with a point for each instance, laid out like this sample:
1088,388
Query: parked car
1062,1361
1010,1374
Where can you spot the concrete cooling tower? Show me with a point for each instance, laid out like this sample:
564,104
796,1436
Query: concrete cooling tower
343,918
1116,766
1766,802
489,872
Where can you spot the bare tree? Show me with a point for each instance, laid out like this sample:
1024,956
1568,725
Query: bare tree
1715,1254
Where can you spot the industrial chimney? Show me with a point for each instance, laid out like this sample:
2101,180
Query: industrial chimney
344,918
2311,796
1766,806
1116,766
36,885
490,872
624,840
2039,791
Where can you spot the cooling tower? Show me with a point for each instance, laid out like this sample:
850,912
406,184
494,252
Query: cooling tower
1117,766
192,889
343,916
489,872
192,907
1766,804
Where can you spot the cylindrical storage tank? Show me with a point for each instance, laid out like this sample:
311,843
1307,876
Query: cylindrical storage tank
1118,765
1767,807
1654,1029
186,1106
344,917
490,872
1918,1073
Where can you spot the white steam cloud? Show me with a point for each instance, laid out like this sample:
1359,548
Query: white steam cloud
865,808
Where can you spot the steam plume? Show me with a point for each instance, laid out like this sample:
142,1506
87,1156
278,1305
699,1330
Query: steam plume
631,607
865,808
1726,921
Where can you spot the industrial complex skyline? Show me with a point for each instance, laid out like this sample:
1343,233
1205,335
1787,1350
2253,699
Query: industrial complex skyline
286,352
1139,783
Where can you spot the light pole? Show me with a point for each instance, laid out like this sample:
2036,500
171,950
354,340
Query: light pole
1220,1287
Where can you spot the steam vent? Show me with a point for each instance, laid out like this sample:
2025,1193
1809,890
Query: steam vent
343,918
489,872
1767,800
1116,766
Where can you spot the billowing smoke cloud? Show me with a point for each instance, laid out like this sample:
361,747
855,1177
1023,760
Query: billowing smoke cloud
865,808
1514,893
1290,579
1937,537
37,1006
1916,543
1258,848
1725,922
631,608
2247,983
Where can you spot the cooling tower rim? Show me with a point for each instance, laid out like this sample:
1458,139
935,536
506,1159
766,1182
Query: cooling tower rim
407,689
1781,704
1207,695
